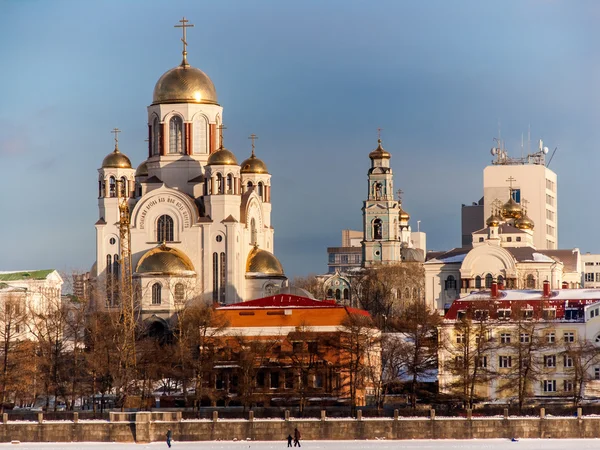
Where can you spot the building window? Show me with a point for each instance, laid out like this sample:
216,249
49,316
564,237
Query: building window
346,294
550,361
596,373
253,232
500,280
527,313
530,282
481,361
488,280
505,362
549,385
223,280
505,338
450,283
164,229
260,189
549,314
377,229
478,282
176,135
551,338
518,238
569,336
525,338
460,338
112,187
229,184
481,239
572,313
567,361
215,276
481,314
509,239
179,293
155,136
459,362
568,385
156,294
503,314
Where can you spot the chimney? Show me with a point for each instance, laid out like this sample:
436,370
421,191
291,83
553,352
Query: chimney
494,289
546,288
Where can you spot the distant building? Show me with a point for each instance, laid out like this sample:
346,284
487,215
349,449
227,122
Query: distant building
349,255
590,277
471,220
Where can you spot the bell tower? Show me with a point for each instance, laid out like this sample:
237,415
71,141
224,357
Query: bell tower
381,212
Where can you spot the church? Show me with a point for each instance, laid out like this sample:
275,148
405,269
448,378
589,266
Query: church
199,221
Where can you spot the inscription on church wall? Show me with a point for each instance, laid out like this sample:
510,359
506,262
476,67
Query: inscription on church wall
166,200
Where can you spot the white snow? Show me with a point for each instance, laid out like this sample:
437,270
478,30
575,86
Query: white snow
475,444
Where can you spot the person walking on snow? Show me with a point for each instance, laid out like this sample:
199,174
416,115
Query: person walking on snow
296,438
289,439
169,437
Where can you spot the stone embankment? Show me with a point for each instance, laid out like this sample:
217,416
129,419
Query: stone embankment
144,427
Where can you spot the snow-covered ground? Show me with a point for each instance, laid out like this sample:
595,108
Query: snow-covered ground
488,444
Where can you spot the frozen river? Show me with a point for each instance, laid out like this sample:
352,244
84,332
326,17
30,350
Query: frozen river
488,444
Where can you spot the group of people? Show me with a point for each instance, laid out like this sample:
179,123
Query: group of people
295,438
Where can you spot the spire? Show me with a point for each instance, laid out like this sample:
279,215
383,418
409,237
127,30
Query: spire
183,26
253,137
116,131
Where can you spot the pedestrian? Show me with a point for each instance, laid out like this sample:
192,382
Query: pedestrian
296,438
289,439
169,437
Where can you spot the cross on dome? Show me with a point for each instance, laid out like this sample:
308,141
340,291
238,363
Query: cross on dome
116,131
221,128
253,137
183,26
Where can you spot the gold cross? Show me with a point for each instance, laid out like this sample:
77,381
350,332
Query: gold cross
221,128
379,133
510,181
253,137
184,25
399,193
116,131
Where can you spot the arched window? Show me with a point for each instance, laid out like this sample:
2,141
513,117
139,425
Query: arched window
488,280
123,187
346,294
450,283
406,293
478,282
215,276
530,282
500,280
112,185
377,229
156,294
176,135
249,185
337,294
220,186
109,266
116,266
164,229
253,232
155,136
200,135
223,280
230,184
329,293
260,189
179,293
100,188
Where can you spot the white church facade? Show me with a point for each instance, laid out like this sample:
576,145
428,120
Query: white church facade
200,222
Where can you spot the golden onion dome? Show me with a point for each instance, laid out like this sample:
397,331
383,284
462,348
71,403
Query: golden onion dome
404,216
493,221
524,223
253,165
222,157
263,262
184,84
511,209
165,261
142,170
379,152
116,160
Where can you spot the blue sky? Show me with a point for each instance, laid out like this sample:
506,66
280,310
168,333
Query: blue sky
314,80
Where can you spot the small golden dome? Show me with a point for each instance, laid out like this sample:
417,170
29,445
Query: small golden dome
524,223
184,84
379,152
511,209
493,221
116,160
142,170
263,262
253,165
165,261
404,216
222,157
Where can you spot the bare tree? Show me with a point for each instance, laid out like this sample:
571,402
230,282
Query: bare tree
579,357
310,283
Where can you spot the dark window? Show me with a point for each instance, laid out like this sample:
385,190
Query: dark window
488,280
112,185
164,229
530,282
377,229
450,283
478,282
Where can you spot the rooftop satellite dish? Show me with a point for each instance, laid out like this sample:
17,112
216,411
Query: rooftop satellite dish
493,151
545,150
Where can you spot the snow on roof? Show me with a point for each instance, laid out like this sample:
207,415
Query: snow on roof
534,294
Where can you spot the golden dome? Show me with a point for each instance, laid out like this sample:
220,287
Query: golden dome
263,262
511,209
222,157
142,170
524,223
184,84
165,261
403,214
117,160
254,165
379,152
493,221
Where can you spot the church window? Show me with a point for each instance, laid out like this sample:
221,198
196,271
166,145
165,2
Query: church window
346,294
176,135
230,184
164,229
156,294
100,188
179,293
337,294
112,241
123,187
488,280
330,295
200,135
219,238
501,280
377,229
215,276
109,264
112,183
478,282
260,189
250,185
222,281
253,232
155,136
530,282
116,267
220,185
450,283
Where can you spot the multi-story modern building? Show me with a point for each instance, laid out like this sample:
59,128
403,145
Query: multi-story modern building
590,277
349,255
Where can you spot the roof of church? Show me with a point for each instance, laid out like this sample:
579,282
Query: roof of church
25,275
229,218
153,179
504,228
456,255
